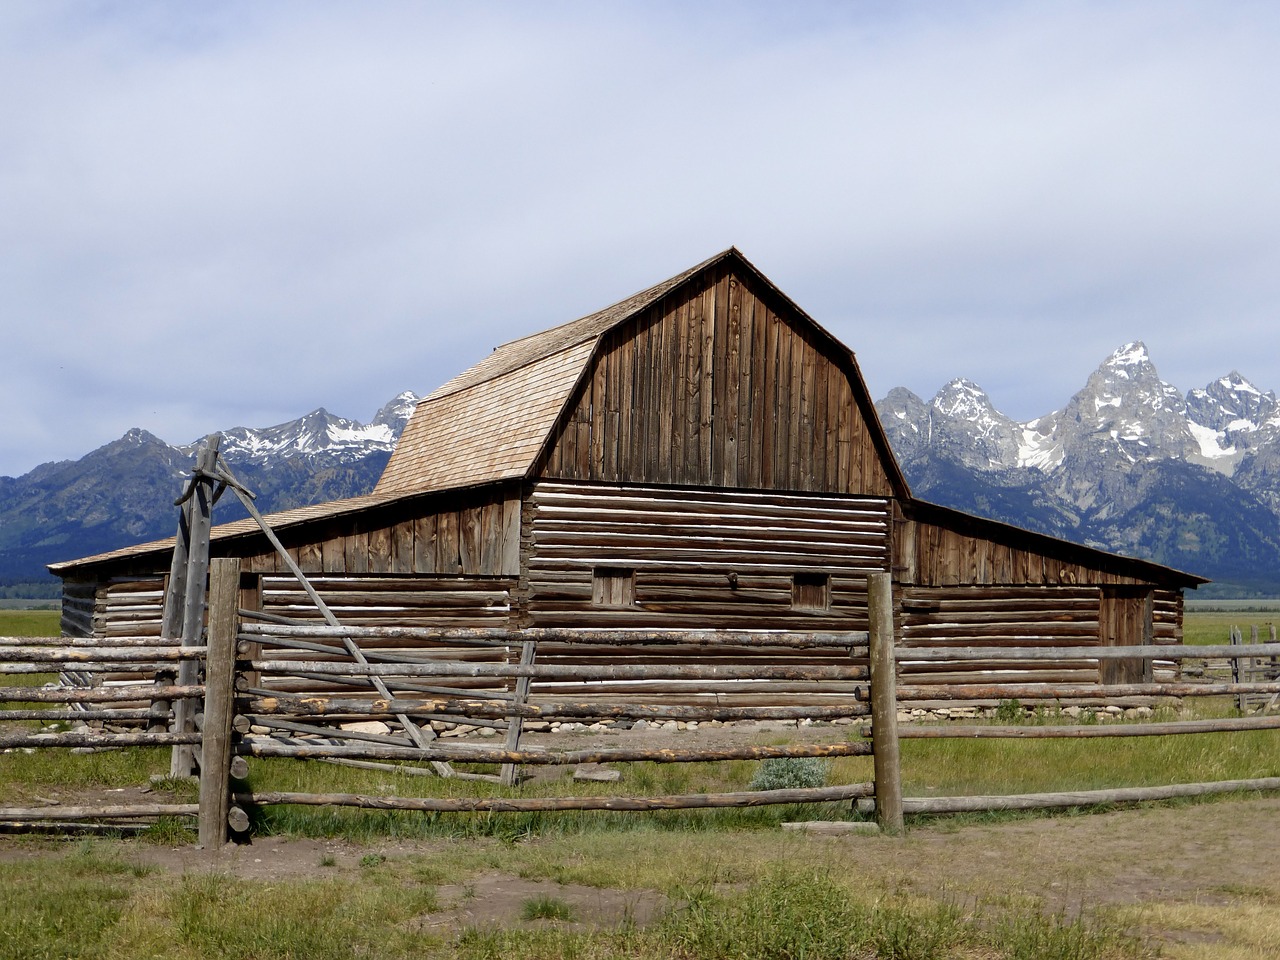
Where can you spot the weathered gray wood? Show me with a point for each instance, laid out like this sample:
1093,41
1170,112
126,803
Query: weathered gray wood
237,820
96,740
265,702
121,811
884,705
420,736
510,772
1081,798
265,747
744,638
1080,731
219,702
48,716
1153,651
121,694
754,798
1066,691
200,519
708,671
80,655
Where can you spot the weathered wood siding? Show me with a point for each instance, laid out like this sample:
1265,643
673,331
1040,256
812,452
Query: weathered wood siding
715,388
451,538
929,555
393,601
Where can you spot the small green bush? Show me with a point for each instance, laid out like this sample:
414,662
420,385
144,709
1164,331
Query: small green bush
791,773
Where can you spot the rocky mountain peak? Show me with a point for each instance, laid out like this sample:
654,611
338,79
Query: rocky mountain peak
963,399
395,413
1232,404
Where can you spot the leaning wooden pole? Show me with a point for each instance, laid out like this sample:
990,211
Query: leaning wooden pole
197,522
219,702
884,704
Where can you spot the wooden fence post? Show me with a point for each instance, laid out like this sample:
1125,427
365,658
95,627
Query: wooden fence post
219,702
884,704
510,775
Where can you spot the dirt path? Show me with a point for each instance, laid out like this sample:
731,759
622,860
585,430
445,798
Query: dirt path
1194,853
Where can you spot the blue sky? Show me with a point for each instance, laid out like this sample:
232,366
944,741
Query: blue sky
229,214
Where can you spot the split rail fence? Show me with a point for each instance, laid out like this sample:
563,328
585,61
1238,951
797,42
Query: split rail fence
255,697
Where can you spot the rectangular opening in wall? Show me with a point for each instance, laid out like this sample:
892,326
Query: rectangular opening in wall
613,587
811,591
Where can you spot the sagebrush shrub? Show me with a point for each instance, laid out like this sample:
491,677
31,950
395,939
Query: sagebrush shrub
791,773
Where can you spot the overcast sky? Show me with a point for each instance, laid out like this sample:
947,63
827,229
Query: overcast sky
228,214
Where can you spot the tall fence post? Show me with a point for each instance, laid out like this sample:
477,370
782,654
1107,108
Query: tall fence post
219,702
884,704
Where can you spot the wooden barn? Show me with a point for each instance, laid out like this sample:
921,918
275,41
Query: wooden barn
702,455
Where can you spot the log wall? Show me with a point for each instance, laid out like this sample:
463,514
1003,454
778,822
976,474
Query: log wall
716,388
700,559
119,607
997,617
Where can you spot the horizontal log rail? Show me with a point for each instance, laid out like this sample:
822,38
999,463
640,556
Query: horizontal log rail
1162,729
99,641
1068,691
78,655
576,635
1083,798
49,716
753,798
267,747
267,702
564,671
1162,651
113,694
102,740
120,811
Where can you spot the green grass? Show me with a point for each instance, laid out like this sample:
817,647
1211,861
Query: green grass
1202,627
95,903
544,907
29,623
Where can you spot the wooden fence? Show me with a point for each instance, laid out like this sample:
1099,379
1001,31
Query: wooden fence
327,692
249,705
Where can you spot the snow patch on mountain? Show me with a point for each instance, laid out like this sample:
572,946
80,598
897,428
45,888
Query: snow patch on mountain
318,433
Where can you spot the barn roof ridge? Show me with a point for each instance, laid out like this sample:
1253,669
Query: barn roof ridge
508,357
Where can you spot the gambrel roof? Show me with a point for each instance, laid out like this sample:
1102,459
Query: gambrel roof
494,420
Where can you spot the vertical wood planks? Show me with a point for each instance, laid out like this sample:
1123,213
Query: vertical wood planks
715,388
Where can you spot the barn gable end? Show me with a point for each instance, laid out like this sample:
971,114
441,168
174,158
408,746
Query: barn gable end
724,384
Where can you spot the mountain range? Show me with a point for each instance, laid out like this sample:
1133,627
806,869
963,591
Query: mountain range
1129,464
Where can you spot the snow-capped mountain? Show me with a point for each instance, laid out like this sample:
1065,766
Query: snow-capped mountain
123,492
318,433
1127,444
1125,413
